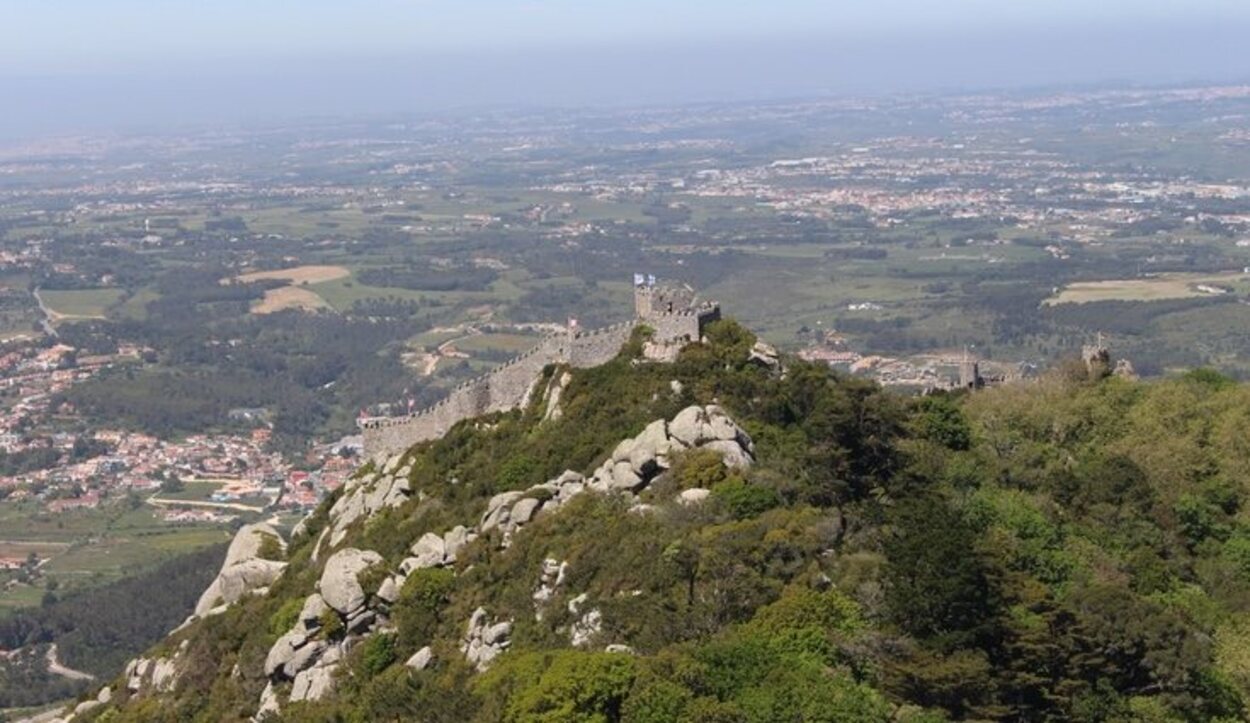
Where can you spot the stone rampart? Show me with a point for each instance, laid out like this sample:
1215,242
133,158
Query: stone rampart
510,385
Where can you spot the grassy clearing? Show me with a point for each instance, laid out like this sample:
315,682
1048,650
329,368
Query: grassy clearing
192,491
79,303
1155,288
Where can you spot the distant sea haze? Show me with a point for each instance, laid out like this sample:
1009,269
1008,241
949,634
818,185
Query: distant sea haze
241,90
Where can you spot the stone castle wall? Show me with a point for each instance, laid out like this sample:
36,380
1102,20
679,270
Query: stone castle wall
510,385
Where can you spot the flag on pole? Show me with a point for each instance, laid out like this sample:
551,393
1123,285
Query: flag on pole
650,279
638,280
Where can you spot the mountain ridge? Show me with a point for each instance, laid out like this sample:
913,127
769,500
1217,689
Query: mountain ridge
733,538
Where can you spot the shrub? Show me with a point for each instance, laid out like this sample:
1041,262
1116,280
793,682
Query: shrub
331,625
744,500
656,701
285,617
416,612
576,686
376,655
270,548
698,468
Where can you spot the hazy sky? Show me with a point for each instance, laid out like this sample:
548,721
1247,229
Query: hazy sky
72,63
42,36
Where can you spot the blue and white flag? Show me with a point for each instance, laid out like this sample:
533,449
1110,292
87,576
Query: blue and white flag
650,279
638,279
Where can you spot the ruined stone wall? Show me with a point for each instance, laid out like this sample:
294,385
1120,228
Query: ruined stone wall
510,385
505,387
592,348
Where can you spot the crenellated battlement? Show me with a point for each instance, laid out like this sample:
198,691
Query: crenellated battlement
672,312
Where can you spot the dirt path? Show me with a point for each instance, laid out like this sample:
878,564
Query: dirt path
55,667
48,316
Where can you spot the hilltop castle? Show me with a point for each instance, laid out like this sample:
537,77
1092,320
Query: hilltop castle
673,312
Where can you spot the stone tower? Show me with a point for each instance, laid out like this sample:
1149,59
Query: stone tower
1097,357
970,372
652,301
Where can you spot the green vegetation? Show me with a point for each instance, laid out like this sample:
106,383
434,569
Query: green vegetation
89,548
73,304
1072,549
98,630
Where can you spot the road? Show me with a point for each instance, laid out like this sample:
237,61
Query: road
239,506
48,315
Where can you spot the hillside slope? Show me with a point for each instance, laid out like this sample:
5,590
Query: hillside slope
719,539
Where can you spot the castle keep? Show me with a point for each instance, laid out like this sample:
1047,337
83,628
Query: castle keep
671,311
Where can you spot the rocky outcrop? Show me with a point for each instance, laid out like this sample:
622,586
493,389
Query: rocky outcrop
305,657
586,627
637,461
764,355
102,698
340,580
421,659
365,496
158,674
555,390
317,681
432,550
484,641
309,654
244,570
551,578
633,464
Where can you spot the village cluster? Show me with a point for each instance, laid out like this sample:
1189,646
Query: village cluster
91,467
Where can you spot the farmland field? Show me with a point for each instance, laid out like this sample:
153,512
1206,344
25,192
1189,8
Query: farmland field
1155,288
289,297
311,274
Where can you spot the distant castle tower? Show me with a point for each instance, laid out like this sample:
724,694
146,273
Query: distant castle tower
970,372
673,311
1097,356
652,300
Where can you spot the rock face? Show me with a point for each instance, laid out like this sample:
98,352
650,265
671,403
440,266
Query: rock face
633,464
364,497
243,570
153,674
435,551
555,390
484,641
551,578
637,461
340,581
315,682
764,355
589,625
